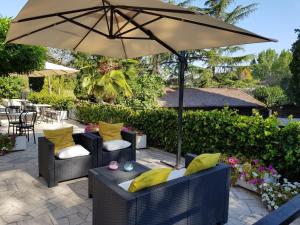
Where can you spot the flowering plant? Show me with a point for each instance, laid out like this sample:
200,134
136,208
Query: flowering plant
264,180
138,132
252,172
274,195
91,128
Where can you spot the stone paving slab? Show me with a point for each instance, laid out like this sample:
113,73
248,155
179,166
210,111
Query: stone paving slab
26,200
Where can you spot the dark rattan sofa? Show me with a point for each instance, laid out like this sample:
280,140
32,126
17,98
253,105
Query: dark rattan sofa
55,170
123,155
198,199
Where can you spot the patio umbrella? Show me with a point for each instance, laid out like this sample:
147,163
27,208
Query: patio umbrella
125,29
49,70
52,69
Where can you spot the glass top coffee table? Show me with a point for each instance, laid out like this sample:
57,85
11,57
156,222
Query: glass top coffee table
115,176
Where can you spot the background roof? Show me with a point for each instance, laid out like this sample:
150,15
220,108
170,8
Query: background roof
209,97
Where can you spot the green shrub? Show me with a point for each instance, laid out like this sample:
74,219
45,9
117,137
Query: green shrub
11,87
146,89
287,150
6,143
58,102
271,96
93,113
210,131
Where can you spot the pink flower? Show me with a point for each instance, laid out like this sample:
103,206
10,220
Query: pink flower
125,129
233,160
243,174
256,181
261,169
272,170
253,181
255,161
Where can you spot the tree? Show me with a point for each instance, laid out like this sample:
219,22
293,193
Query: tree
294,87
271,96
271,68
84,63
218,60
11,87
146,89
109,79
16,58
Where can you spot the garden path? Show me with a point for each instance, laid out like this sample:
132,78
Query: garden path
25,199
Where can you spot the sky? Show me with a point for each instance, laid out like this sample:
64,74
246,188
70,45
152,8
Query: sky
275,19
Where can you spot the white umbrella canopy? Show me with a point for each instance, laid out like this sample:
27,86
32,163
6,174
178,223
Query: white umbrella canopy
52,69
102,28
125,29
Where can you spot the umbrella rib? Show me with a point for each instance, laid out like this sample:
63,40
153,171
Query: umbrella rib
182,11
123,45
59,13
84,26
142,25
106,17
204,24
79,43
150,35
53,25
111,27
128,21
135,38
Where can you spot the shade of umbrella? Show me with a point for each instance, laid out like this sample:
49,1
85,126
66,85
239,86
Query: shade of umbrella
125,29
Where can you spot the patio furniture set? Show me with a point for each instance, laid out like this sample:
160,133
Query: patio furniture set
45,112
22,122
201,198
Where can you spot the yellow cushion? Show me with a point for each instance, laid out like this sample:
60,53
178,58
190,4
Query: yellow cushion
149,178
110,131
202,162
61,138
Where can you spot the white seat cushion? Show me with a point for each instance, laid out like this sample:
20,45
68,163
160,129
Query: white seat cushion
173,175
116,145
125,185
72,151
176,174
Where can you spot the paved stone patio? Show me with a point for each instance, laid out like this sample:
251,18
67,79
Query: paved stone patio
25,199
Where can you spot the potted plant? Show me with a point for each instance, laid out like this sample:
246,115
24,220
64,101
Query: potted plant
62,105
273,195
141,138
91,127
251,173
6,144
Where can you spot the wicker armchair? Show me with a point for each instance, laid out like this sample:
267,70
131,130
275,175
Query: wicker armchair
123,155
55,170
198,199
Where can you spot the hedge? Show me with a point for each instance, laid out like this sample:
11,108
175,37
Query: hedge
210,131
58,102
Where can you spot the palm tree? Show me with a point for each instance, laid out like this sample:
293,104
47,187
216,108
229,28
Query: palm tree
218,9
109,80
218,58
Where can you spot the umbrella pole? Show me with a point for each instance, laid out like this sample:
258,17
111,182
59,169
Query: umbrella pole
182,68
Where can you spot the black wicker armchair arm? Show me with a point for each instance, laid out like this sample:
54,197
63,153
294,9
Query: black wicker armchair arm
46,159
129,136
111,204
90,143
285,214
